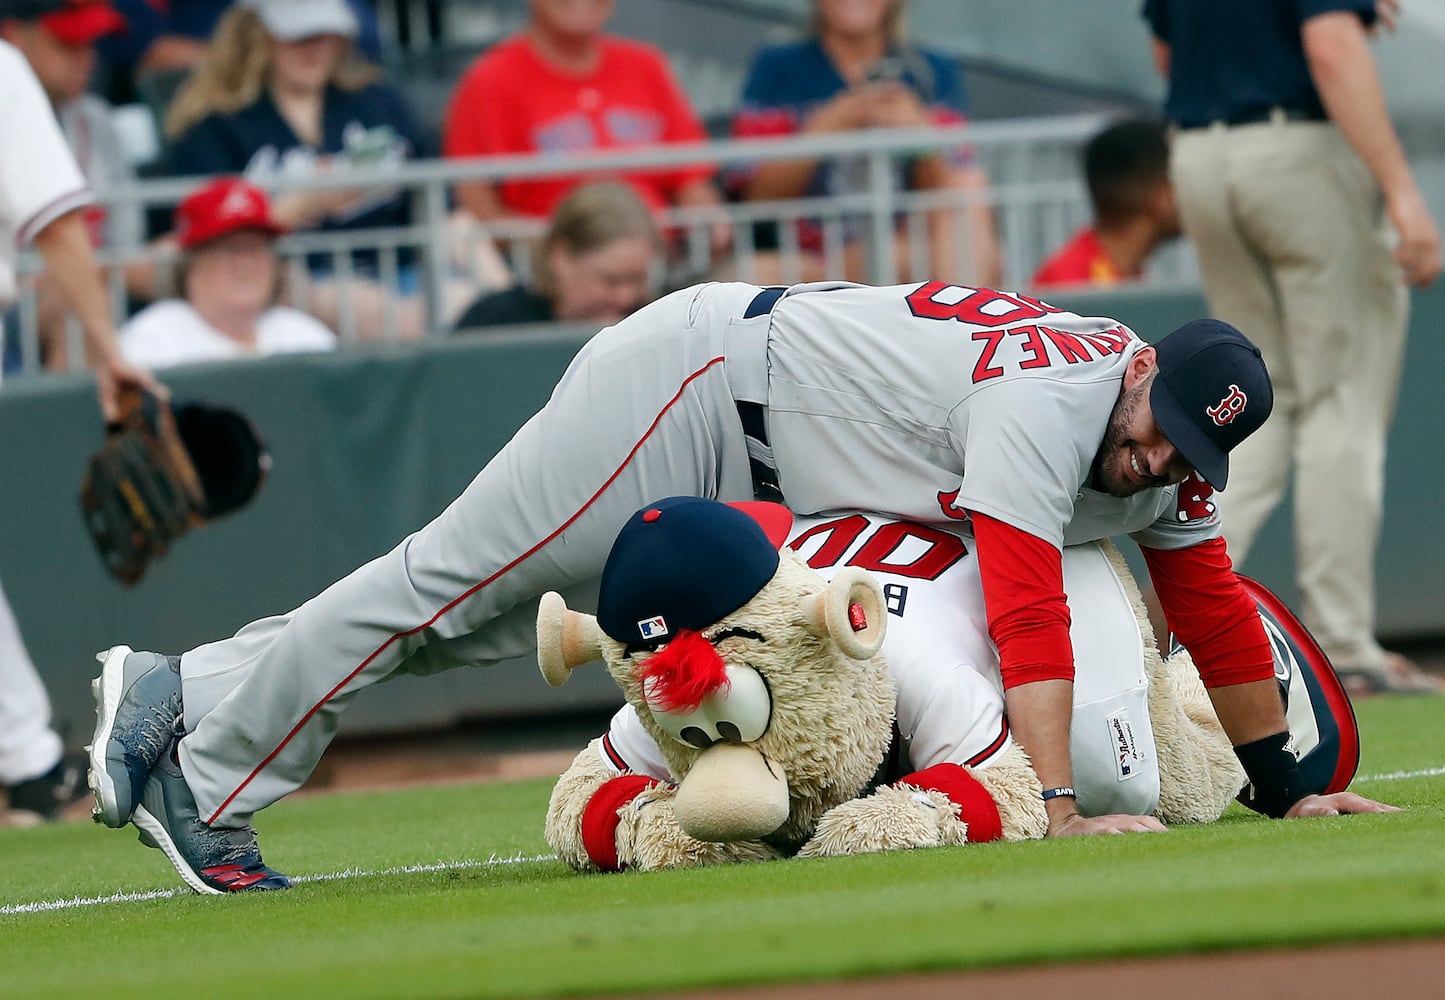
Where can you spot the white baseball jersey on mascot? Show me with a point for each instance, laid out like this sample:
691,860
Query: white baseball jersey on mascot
919,401
950,693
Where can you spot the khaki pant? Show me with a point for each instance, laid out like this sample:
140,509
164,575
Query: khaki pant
1293,250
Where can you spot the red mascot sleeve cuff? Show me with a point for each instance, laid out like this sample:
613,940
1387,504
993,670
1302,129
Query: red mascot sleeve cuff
976,806
600,819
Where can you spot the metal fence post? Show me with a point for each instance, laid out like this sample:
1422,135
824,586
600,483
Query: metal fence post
883,269
435,254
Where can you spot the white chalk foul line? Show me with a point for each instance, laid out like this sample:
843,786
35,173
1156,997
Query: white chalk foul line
1429,772
349,873
47,906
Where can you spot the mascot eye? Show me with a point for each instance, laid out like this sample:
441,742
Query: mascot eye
738,712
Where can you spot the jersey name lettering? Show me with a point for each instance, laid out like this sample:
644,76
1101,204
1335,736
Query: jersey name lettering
1032,352
1023,347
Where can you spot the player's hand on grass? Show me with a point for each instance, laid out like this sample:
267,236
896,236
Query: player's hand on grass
1337,804
1074,825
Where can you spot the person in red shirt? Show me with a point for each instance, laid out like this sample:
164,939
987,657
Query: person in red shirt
562,86
1127,170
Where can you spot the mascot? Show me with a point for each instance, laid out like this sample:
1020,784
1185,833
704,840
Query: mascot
768,717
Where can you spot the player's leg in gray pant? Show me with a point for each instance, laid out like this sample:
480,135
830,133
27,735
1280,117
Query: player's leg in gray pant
644,412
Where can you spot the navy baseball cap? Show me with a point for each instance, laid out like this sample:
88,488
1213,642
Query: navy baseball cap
1212,392
682,563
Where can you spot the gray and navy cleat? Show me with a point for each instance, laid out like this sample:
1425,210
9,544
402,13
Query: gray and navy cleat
211,860
137,708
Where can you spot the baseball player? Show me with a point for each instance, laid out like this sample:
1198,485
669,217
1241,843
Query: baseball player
41,193
933,402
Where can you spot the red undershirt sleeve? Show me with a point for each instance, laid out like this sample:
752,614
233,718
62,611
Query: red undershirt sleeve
1023,594
1209,612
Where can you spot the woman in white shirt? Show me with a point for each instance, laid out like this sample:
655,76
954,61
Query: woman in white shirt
229,279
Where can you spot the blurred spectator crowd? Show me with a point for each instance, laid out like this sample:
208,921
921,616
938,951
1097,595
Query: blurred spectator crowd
250,99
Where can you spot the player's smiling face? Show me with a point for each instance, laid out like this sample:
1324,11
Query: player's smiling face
1135,455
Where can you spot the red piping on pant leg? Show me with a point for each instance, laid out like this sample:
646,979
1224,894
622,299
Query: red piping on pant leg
469,592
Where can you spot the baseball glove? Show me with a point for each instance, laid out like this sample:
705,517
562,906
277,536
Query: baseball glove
165,469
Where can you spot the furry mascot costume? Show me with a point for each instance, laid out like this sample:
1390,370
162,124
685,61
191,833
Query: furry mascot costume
762,720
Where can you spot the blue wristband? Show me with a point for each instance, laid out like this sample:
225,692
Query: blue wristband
1061,792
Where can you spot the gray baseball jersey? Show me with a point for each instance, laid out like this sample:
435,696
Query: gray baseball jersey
919,401
932,400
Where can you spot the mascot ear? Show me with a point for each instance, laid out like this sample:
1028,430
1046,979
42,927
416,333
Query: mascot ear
565,639
850,611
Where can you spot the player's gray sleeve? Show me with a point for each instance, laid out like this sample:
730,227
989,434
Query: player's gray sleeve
1024,461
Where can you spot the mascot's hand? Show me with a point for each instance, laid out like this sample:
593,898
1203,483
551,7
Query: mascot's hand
599,820
649,838
937,807
893,818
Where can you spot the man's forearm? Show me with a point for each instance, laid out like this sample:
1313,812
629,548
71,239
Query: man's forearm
70,264
1250,711
1344,73
1040,714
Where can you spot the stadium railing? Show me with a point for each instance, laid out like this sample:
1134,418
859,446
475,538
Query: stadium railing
1035,193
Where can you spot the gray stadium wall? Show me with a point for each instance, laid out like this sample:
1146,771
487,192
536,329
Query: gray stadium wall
369,446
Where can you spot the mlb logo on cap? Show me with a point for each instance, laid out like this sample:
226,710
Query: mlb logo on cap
679,564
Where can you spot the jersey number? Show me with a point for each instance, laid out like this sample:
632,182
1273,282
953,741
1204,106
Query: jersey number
979,306
941,548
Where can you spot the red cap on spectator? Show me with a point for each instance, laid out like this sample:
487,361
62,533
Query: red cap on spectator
221,208
74,22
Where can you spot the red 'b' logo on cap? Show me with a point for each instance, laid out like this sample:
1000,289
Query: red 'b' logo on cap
1231,406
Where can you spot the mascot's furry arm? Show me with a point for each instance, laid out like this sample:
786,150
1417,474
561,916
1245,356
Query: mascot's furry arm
940,806
599,820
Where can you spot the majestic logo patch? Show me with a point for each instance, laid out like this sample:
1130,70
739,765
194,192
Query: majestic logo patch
1231,406
1127,756
652,628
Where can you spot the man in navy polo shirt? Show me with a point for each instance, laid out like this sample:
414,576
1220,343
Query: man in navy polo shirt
1283,156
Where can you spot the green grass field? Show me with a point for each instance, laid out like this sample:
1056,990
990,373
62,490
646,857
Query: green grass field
447,892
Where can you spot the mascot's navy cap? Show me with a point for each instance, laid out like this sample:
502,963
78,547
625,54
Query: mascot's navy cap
682,563
1211,393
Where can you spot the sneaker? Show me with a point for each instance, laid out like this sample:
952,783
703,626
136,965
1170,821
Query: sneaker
1394,675
211,860
137,708
49,795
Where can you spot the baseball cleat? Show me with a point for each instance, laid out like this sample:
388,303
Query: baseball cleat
211,860
137,707
49,795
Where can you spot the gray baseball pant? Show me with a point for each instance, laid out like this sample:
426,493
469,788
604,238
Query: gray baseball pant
646,410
